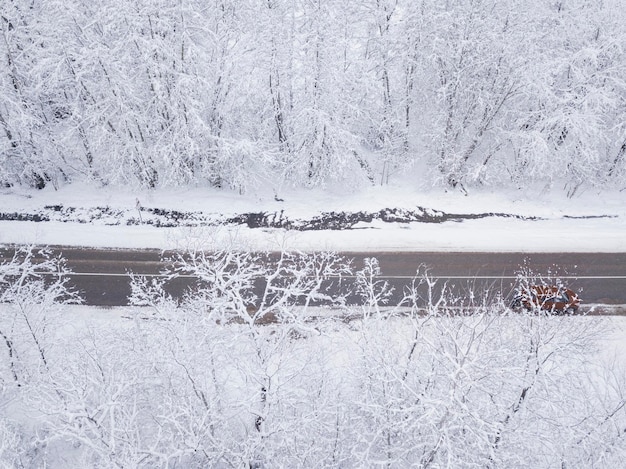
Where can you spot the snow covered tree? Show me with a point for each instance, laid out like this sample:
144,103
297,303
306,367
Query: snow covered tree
32,283
29,108
32,289
570,120
292,92
459,386
245,372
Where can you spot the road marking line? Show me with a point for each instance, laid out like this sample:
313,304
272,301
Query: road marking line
381,277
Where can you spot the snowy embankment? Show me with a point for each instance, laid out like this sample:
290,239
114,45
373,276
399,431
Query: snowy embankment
376,219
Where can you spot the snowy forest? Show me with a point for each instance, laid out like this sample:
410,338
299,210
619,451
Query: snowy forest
238,95
208,382
243,93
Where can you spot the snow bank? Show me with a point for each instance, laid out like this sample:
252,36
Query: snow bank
535,221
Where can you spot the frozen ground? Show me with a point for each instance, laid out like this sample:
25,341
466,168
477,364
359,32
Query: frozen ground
376,219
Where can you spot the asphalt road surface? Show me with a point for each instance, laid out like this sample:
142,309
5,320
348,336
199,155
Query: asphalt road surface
101,275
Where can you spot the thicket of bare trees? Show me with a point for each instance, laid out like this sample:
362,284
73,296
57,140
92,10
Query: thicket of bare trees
240,377
236,94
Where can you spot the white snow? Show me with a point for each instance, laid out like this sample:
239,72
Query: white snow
555,231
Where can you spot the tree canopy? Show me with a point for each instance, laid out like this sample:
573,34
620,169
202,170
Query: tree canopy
234,94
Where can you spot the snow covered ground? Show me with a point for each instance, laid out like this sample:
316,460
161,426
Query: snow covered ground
530,220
